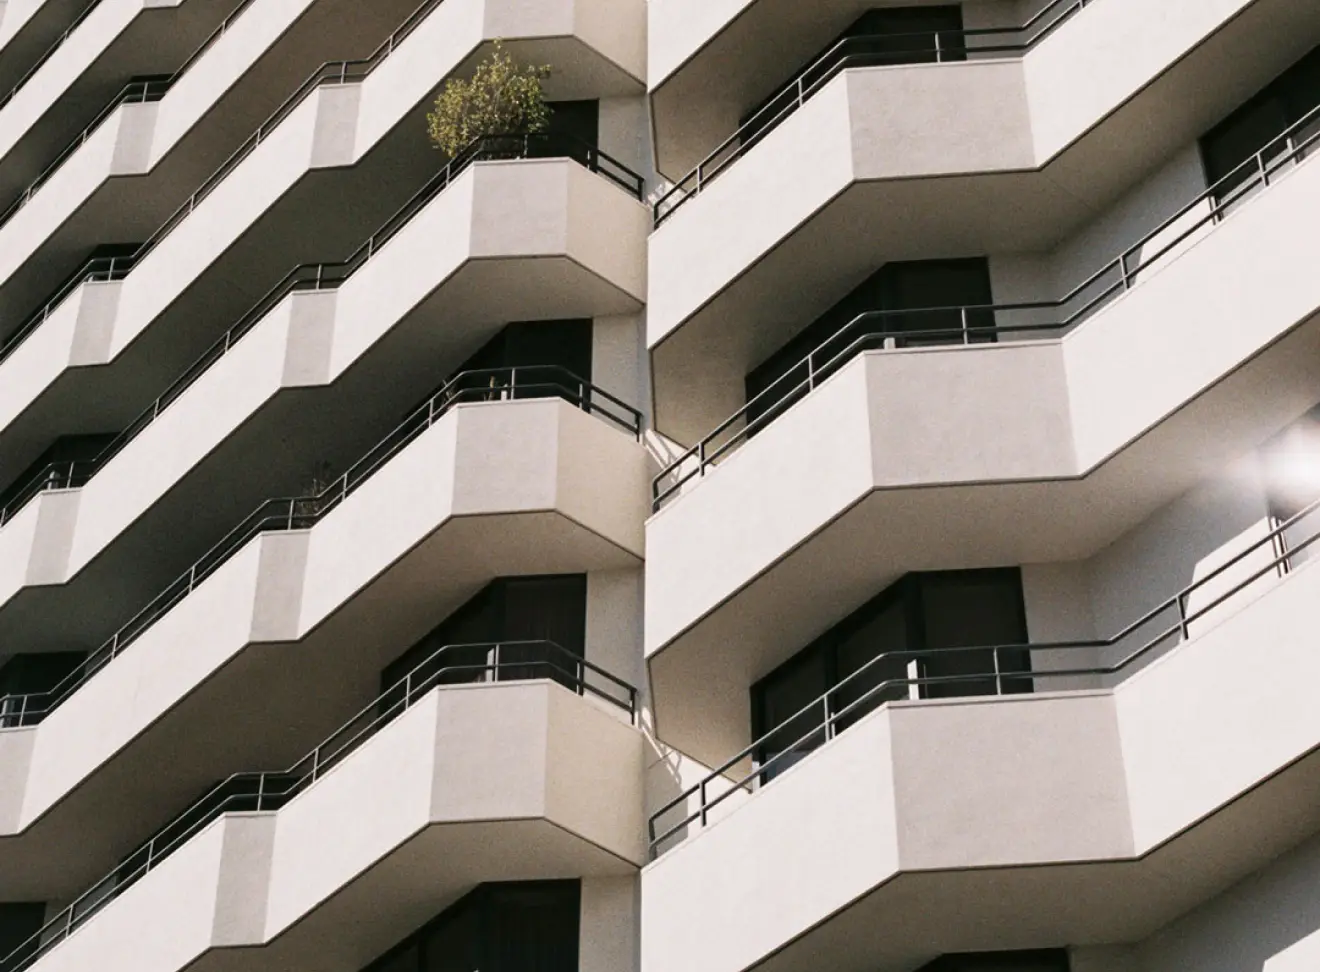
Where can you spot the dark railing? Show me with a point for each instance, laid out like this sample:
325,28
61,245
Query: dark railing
69,474
269,791
964,325
303,512
133,93
854,52
96,269
83,14
315,277
836,709
332,72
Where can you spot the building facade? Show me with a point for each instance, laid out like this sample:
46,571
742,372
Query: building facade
840,497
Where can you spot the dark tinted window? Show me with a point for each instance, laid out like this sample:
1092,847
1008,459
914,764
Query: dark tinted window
67,448
1286,101
577,119
892,35
883,641
525,927
1040,960
510,609
552,358
19,921
894,287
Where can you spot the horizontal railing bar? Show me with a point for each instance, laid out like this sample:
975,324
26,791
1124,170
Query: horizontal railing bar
307,770
1260,169
833,62
821,703
317,276
302,512
49,52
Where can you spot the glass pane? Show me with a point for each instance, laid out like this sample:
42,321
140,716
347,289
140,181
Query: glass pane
791,688
1236,140
533,929
935,284
406,959
863,651
974,608
453,944
544,609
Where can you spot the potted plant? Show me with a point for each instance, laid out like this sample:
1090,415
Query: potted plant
502,98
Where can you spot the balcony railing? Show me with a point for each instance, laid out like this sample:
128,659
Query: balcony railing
855,52
858,694
83,14
960,325
311,277
304,512
268,791
133,93
334,72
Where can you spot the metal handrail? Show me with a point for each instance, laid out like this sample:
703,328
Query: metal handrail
1121,274
96,269
317,277
82,15
997,674
133,93
332,72
840,57
257,792
303,512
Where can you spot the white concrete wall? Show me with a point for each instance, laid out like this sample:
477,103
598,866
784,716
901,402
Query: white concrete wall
1269,922
609,933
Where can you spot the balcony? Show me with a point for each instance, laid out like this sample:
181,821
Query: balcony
145,151
105,44
1019,821
351,130
1026,151
310,598
423,795
835,494
361,341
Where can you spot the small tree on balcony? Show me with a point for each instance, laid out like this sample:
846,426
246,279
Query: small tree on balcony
503,98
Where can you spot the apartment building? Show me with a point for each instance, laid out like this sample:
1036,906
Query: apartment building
841,497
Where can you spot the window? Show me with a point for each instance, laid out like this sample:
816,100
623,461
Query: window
525,927
892,35
31,675
550,608
913,286
65,449
1286,101
1040,960
19,921
960,613
551,358
573,130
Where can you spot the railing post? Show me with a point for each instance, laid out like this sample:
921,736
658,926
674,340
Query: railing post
1260,165
827,721
999,683
1182,616
966,328
701,796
